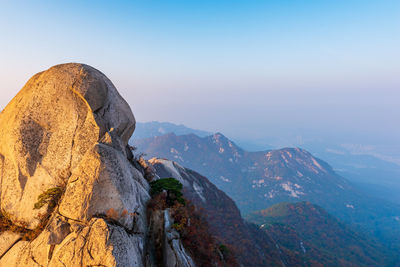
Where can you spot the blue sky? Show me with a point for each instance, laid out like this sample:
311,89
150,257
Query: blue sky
245,68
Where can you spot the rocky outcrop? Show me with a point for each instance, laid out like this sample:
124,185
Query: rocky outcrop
46,130
164,243
97,243
106,183
63,141
174,252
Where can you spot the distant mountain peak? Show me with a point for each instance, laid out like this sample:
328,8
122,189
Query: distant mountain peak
253,179
298,158
219,135
156,128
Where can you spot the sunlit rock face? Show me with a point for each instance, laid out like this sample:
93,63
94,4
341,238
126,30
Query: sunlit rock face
46,130
68,128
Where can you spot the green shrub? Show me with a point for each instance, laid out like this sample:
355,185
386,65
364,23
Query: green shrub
50,197
223,248
178,226
173,188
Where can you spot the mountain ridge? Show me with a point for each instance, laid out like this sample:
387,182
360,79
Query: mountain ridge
375,176
156,128
257,180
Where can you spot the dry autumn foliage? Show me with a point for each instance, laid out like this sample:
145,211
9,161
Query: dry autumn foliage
195,236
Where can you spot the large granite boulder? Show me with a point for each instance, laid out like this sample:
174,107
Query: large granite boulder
46,130
96,244
68,129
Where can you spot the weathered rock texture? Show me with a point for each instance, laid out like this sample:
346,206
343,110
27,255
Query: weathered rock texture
8,240
46,130
166,239
174,252
68,128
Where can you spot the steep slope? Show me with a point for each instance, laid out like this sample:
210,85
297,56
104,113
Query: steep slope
223,217
299,234
256,180
70,192
318,237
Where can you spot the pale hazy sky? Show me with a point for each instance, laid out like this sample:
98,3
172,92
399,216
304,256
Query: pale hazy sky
246,68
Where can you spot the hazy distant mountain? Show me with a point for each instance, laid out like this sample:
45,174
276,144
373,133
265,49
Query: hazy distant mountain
155,128
316,237
375,176
375,169
254,179
257,180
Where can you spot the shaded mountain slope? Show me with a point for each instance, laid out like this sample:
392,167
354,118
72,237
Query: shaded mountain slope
287,230
317,237
223,217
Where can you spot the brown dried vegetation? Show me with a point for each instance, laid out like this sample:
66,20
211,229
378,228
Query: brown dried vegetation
193,229
27,235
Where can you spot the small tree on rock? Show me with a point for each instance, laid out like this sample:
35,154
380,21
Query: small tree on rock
173,188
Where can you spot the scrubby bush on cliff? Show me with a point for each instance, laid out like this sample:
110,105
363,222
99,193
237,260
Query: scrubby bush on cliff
51,196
